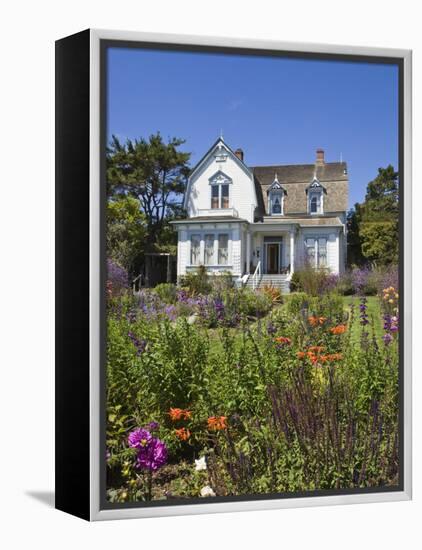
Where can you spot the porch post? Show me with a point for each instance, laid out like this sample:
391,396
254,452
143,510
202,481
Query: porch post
248,252
292,252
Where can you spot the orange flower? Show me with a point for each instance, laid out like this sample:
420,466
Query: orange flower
322,358
316,349
339,329
283,340
315,321
312,356
182,433
217,423
175,413
178,414
335,357
300,354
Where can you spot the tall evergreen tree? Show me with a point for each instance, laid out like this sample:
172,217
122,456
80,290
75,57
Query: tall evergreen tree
153,172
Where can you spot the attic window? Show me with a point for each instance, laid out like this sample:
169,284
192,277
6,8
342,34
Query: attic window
315,193
315,202
276,203
220,190
275,198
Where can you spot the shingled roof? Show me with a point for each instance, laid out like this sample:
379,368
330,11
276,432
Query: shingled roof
295,178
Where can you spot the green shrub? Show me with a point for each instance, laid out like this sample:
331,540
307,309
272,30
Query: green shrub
197,282
166,292
221,282
296,302
254,304
314,282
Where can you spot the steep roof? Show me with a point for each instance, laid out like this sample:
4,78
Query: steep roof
295,179
301,173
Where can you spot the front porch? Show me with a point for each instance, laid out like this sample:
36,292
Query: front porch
270,253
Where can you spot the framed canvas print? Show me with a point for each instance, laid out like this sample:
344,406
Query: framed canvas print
233,275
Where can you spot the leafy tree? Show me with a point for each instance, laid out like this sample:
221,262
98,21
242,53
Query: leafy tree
155,174
377,219
382,195
354,241
126,230
380,244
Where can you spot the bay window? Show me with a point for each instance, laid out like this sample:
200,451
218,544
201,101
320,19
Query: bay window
223,249
209,249
316,252
195,249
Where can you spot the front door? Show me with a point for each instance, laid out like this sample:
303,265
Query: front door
273,251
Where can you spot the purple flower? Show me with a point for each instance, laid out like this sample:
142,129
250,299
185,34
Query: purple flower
271,329
360,279
171,312
152,456
117,276
139,438
387,339
152,426
219,308
140,345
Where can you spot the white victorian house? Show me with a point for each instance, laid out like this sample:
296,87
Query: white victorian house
262,222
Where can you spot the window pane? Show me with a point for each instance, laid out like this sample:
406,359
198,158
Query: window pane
310,252
224,196
322,252
276,202
195,249
209,249
314,204
214,196
223,249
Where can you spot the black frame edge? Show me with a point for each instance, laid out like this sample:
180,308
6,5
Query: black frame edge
72,422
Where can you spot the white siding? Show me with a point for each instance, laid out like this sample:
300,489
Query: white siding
241,190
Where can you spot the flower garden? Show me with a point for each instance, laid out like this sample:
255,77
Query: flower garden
214,390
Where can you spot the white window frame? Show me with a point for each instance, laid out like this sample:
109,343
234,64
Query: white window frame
319,194
196,234
215,233
316,240
219,179
272,195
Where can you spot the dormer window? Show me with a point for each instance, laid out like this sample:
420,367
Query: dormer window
220,190
276,198
315,203
315,193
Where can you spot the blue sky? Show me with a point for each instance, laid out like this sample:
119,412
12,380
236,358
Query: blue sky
278,110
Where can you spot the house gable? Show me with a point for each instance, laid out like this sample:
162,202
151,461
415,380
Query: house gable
221,166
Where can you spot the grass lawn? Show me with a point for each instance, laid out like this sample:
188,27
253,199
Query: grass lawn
373,311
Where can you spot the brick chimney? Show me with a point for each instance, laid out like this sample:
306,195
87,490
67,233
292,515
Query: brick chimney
239,154
320,159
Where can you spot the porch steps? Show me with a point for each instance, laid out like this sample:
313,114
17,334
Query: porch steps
278,281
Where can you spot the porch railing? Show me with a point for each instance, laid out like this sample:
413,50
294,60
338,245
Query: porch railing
256,277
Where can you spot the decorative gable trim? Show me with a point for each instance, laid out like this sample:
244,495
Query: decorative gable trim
220,178
315,185
276,186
